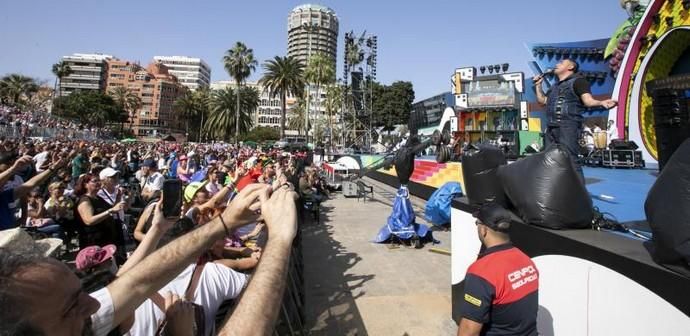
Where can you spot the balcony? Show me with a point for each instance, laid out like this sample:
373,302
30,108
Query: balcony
96,68
90,86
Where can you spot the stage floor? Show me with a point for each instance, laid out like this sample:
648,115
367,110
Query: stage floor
628,187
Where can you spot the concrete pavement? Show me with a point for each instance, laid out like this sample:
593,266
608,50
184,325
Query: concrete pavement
356,287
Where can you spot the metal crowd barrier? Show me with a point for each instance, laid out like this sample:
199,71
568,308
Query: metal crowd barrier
50,133
291,318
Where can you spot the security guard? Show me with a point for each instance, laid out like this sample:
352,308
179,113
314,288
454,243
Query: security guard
565,103
501,287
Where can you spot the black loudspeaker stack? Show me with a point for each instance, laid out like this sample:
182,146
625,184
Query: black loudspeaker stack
671,114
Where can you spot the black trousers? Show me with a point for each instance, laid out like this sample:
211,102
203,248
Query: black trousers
566,134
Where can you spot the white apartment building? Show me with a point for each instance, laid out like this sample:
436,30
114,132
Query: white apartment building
268,112
190,72
88,73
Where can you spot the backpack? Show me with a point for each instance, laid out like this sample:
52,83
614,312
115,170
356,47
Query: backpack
199,314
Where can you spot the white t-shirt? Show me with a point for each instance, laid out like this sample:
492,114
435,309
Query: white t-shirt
612,133
217,284
154,182
40,159
102,320
111,199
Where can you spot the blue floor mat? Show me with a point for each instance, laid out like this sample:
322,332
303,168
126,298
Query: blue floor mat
627,187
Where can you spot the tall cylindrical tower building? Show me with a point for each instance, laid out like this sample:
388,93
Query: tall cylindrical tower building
312,29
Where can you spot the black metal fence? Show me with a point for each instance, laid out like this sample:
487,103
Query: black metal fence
291,319
50,133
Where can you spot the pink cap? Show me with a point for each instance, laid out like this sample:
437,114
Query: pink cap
92,256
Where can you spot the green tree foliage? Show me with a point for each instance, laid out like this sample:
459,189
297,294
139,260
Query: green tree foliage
16,89
392,103
298,116
283,76
262,133
193,109
89,107
222,117
239,62
60,70
127,101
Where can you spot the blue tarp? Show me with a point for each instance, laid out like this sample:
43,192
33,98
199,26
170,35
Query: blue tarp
437,210
401,222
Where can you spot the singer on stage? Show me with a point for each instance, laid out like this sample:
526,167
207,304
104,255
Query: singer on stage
565,102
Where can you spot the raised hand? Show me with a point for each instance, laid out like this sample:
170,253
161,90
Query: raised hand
22,162
244,208
179,315
280,213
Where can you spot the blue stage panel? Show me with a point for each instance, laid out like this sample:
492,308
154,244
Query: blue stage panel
629,187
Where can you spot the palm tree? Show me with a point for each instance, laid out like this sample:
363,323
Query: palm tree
127,101
60,69
186,106
223,118
15,86
202,97
335,96
283,76
320,71
239,62
298,116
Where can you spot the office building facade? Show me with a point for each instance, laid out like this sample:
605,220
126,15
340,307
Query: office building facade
312,29
88,73
158,90
428,112
191,72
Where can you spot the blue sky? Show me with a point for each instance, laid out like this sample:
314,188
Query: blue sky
419,41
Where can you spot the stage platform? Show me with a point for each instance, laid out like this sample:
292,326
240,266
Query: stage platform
627,187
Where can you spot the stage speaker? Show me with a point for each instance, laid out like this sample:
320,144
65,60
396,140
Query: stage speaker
622,144
671,120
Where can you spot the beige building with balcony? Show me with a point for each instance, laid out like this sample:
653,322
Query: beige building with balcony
88,73
158,91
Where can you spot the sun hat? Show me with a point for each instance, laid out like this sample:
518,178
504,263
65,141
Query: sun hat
92,256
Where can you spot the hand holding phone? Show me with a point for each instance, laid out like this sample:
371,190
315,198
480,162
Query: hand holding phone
172,198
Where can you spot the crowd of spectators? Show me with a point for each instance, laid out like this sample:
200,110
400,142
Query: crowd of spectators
93,215
19,123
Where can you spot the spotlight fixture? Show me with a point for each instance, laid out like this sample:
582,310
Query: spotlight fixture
669,21
491,69
482,69
497,67
505,67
